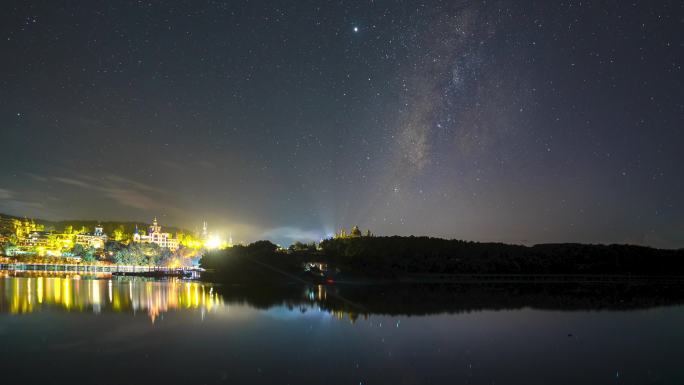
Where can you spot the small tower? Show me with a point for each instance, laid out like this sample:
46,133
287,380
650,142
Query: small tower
155,228
98,230
136,234
205,234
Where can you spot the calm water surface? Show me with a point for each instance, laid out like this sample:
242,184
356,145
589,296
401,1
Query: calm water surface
108,330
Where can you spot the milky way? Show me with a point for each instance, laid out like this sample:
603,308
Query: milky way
507,121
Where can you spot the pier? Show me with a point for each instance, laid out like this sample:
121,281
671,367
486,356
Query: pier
81,268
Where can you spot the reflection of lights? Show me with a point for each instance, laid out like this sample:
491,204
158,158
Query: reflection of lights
39,290
321,293
95,289
67,293
57,287
24,295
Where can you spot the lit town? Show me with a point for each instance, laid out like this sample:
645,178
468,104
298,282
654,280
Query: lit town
341,192
25,240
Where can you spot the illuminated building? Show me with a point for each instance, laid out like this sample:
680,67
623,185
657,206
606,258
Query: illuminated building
36,239
354,233
155,235
96,239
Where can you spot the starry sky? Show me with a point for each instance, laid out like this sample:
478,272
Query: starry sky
509,121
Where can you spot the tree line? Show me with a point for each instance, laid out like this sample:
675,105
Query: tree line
400,256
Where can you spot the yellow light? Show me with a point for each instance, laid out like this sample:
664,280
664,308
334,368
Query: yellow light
213,243
39,290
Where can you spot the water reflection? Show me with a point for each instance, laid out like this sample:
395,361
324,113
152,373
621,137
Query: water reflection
27,292
266,334
31,291
361,301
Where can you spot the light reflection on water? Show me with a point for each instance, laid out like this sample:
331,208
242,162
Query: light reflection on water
27,293
334,334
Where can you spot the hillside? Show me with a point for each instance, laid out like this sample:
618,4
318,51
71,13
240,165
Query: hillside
59,226
402,257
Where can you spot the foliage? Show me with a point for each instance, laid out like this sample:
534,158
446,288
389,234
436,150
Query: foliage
402,255
22,228
188,240
9,248
120,231
119,234
299,246
260,262
146,254
113,246
78,250
87,254
138,254
39,259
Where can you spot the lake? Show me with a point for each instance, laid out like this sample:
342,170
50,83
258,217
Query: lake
60,328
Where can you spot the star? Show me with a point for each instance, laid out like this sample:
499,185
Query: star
356,29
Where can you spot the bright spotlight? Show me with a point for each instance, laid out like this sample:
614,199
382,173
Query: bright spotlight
213,243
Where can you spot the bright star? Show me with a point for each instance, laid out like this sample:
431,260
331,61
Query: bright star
356,29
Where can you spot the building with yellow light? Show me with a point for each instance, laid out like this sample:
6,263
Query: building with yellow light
96,239
155,235
36,239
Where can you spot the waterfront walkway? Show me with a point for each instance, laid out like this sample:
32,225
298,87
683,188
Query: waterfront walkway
93,268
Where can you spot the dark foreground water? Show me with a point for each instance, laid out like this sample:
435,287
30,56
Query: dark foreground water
104,330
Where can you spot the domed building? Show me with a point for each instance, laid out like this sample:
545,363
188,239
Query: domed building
155,235
355,232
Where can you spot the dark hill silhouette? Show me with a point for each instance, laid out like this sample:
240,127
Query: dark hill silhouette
400,257
405,255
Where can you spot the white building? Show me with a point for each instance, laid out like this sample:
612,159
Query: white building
96,239
155,235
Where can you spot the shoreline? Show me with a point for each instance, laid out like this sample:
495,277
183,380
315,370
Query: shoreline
123,270
293,278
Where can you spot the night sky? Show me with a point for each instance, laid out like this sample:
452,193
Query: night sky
511,121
